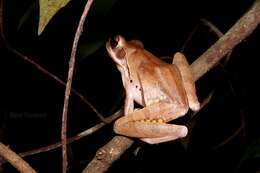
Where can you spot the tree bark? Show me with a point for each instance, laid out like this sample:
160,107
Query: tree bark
110,152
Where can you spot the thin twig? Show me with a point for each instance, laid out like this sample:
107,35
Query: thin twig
243,28
15,159
208,98
41,68
232,136
189,37
71,139
191,122
1,20
69,83
242,125
74,138
204,103
212,27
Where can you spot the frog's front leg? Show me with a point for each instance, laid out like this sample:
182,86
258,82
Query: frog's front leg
149,123
129,104
188,82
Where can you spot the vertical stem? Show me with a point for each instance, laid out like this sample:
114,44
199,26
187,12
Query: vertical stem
68,85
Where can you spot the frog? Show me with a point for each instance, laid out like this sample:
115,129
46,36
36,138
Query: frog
163,91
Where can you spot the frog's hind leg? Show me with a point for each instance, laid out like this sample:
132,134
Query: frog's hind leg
149,124
189,84
176,132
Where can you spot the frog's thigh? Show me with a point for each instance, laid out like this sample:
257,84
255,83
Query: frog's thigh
189,84
144,129
177,132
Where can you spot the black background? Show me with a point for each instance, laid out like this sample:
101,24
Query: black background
31,103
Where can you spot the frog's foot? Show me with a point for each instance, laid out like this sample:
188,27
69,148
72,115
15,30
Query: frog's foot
195,106
188,81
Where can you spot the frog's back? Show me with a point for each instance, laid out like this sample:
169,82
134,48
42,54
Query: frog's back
161,81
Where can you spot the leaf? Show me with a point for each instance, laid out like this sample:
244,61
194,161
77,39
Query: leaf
252,151
48,8
86,49
102,7
28,13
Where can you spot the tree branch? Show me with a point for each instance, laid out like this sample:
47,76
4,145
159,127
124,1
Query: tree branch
78,136
15,160
242,28
218,33
106,155
74,138
41,68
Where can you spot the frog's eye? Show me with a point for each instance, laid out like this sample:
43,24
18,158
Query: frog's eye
114,42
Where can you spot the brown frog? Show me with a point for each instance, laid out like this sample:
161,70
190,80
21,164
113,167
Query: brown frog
166,92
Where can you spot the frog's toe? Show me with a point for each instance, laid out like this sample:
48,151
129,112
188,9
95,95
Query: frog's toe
195,106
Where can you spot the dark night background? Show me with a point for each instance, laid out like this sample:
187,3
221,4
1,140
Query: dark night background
31,103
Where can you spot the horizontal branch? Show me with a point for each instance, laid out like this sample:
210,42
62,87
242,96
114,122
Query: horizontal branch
106,155
74,138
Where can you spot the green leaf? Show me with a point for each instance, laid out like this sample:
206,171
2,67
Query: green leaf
48,8
88,48
102,7
251,152
28,13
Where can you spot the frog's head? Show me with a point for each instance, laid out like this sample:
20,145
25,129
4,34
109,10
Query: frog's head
120,50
